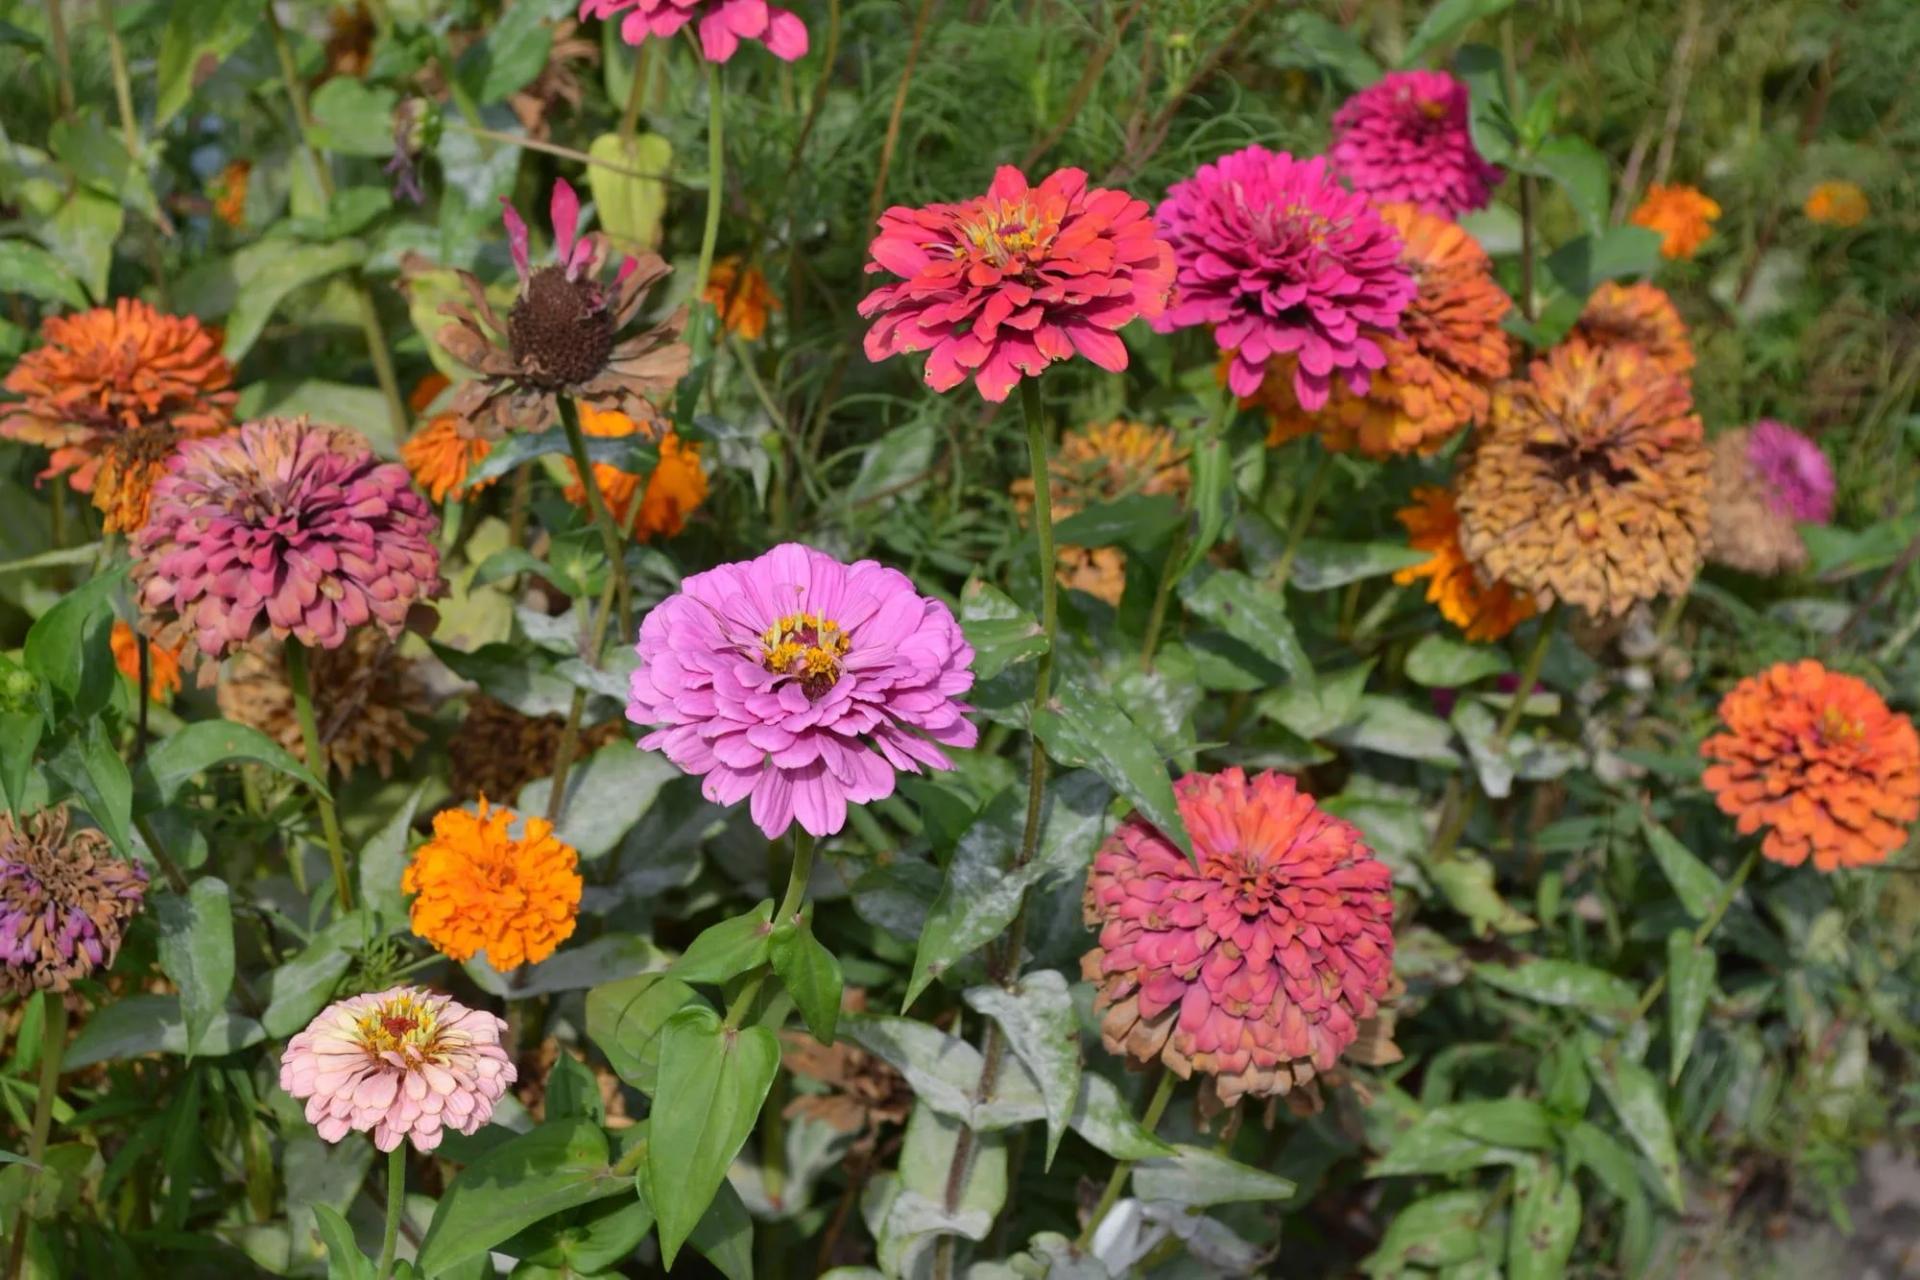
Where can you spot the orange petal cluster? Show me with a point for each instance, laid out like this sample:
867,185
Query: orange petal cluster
229,192
1638,315
1682,215
440,454
163,664
1819,760
1482,611
742,296
1837,204
675,487
480,888
1104,463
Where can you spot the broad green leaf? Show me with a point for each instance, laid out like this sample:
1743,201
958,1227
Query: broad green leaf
81,232
1501,1122
1439,1231
1584,263
1690,975
383,861
1581,171
811,975
894,465
1104,1117
630,208
572,1091
607,793
586,1241
264,274
1313,42
1322,566
27,269
628,453
1393,728
1490,114
1083,726
197,39
1316,708
1694,883
1641,1104
1445,663
299,986
945,1070
1545,1222
724,1235
728,949
513,52
1447,22
558,1166
1197,1177
1436,1144
134,1025
58,644
344,1259
1466,879
19,736
1138,520
511,562
907,1211
1564,984
354,118
1038,1019
1250,612
625,1018
194,749
196,952
92,766
502,671
1000,631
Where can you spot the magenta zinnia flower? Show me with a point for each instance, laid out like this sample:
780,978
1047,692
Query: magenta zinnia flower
405,1063
802,682
284,527
723,24
1279,258
1405,139
1798,477
1259,965
1005,284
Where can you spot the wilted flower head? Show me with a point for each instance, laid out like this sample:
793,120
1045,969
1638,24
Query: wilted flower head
1003,285
1257,966
287,528
401,1064
1282,260
1795,473
366,698
740,293
497,750
1405,137
562,336
1484,611
482,888
1098,464
440,454
1589,484
1682,215
64,902
1818,759
1747,531
802,682
1637,315
163,664
675,487
723,24
1837,204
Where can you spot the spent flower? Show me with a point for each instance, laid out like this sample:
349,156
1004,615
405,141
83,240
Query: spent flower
65,900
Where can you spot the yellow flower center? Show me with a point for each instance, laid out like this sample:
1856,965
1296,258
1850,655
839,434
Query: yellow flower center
1006,233
1837,726
402,1025
807,647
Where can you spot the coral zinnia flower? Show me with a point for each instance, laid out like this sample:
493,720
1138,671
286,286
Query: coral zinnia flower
1818,759
440,454
229,192
287,528
1837,204
163,664
1590,483
1682,215
1795,473
742,296
1484,612
1258,965
365,699
723,24
675,487
401,1064
1441,361
113,370
480,888
1282,260
499,750
1638,315
64,902
562,336
1405,137
803,683
1098,464
1003,285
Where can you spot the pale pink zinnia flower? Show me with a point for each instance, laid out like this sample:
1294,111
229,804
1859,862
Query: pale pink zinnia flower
803,683
1260,965
1795,470
1405,139
723,24
1279,258
1005,284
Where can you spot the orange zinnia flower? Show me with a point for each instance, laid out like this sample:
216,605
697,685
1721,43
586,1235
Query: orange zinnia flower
742,296
1638,315
229,192
674,489
1818,759
163,664
482,889
1838,204
1682,215
441,454
112,370
1483,612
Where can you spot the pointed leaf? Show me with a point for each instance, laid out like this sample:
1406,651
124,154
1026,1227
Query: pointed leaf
1694,883
558,1166
728,949
1040,1024
1197,1177
1690,974
1545,1222
625,1019
1564,984
1442,662
1104,1117
811,975
196,952
205,743
1083,726
1641,1104
1252,613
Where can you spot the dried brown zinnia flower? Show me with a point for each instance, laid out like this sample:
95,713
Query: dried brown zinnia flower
1749,530
365,698
862,1093
64,902
498,750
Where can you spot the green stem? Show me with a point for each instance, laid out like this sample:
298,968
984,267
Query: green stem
53,1047
62,60
570,734
300,676
168,867
396,1206
716,177
636,96
1700,936
1510,71
610,538
1529,676
122,83
737,1009
798,878
144,674
1156,1107
1170,572
1303,515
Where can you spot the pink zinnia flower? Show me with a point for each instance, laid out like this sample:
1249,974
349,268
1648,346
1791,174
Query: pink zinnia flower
1406,138
405,1063
1798,477
802,682
1259,965
1007,283
1279,258
284,527
723,24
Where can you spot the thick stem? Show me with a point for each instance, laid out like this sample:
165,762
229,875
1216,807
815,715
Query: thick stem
716,176
396,1208
1317,485
1529,676
300,676
53,1047
1156,1107
122,83
610,538
798,878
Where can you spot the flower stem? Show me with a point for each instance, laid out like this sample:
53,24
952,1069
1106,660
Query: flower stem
1303,516
798,878
144,648
597,503
570,735
62,60
1170,572
1156,1107
300,676
396,1205
122,83
1700,936
716,176
1529,676
53,1047
636,96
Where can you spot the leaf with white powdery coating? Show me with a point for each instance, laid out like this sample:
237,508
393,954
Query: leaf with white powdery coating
944,1071
1250,612
1083,726
1690,974
1196,1177
196,951
1694,883
1546,1219
1642,1107
1038,1019
1104,1117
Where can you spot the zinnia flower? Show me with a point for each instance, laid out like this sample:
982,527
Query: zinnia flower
562,336
1797,478
110,371
1682,215
803,683
440,454
1257,966
742,296
481,888
675,487
401,1064
1483,611
229,192
1405,138
284,528
163,664
1837,204
1003,285
1589,484
723,24
64,902
1099,464
1818,759
366,697
1282,260
497,750
1440,362
1638,315
1767,478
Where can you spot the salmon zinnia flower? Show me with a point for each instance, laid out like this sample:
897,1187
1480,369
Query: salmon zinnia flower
1453,585
1405,138
481,888
1104,464
229,192
1682,215
675,487
440,454
1818,759
1638,315
163,664
1000,286
1837,204
742,296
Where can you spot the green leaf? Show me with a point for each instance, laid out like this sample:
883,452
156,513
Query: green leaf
81,232
265,273
1637,1099
344,1259
19,737
558,1166
1581,171
1001,632
199,746
1466,879
1322,566
1211,498
354,118
1196,1177
1490,116
728,949
625,1019
30,270
630,209
1040,1024
1545,1221
573,968
607,793
724,1235
1439,1231
1436,1144
134,1025
944,1071
196,952
1501,1122
1446,22
512,54
811,975
57,646
198,38
712,1081
1690,974
572,1091
629,453
1138,519
1582,264
1313,42
1565,985
1442,662
907,1212
383,861
1104,1117
1393,728
1316,708
1082,726
894,465
1694,883
299,987
1250,612
92,766
510,562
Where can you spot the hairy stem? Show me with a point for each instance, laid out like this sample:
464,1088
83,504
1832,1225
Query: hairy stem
396,1208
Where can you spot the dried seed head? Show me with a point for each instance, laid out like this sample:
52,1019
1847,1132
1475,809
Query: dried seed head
561,329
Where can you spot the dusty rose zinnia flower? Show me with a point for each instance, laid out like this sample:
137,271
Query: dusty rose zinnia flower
1280,259
1259,965
802,682
284,527
405,1063
1003,285
1797,475
723,24
1405,138
64,902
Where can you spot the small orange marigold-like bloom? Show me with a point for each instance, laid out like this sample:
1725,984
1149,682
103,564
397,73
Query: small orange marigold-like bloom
1484,612
441,454
674,489
1638,315
483,889
742,296
1818,759
1105,463
130,464
163,664
1837,204
1682,215
229,192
